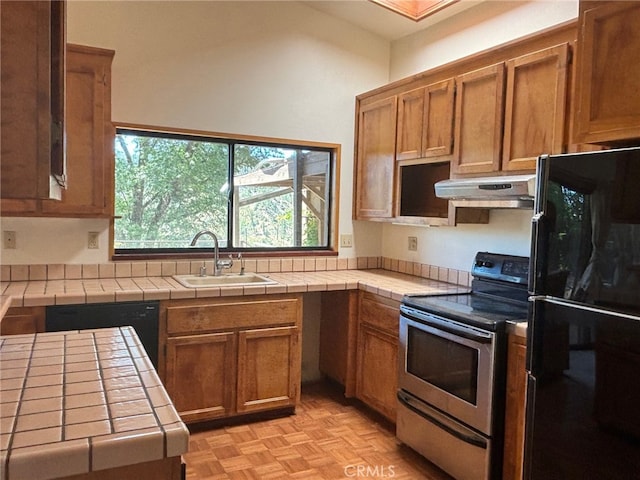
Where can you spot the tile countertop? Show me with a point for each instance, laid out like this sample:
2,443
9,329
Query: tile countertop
121,289
80,401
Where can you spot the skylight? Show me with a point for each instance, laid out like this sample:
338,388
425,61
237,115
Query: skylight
415,9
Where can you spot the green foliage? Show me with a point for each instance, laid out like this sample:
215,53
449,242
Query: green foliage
167,189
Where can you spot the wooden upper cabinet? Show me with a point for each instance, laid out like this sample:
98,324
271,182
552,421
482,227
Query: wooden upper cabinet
535,107
32,110
90,139
375,163
410,124
607,93
425,121
478,121
90,135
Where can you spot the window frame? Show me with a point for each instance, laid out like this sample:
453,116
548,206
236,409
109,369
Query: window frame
195,253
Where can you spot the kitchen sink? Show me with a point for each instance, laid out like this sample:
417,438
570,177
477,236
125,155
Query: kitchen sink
225,280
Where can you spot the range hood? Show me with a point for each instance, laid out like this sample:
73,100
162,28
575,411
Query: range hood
515,191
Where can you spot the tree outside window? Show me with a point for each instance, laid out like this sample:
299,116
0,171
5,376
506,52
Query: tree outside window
170,186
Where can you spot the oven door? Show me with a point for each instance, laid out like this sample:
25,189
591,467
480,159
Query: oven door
448,365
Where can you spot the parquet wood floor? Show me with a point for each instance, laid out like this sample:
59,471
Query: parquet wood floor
328,438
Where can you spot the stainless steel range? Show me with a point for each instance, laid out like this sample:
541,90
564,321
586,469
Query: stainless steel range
452,368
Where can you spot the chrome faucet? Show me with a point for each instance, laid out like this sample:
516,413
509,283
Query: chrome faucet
218,264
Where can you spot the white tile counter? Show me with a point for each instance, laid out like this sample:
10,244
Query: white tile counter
82,401
71,291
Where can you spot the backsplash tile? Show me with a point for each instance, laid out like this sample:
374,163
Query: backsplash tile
90,271
124,272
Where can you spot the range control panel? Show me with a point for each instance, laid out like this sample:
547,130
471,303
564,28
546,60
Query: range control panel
506,268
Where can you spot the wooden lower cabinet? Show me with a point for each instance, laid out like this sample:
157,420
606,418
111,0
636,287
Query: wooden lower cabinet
207,363
268,368
515,410
23,320
231,356
377,353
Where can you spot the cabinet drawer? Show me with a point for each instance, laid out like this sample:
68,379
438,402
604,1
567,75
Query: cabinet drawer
380,312
232,314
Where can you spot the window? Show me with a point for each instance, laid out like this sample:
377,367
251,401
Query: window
254,195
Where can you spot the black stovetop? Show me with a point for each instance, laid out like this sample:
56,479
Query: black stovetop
472,309
498,294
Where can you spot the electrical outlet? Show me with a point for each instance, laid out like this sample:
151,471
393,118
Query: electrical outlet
9,239
346,240
413,244
93,240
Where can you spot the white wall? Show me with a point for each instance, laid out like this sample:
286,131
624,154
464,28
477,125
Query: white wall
285,70
55,240
481,27
275,69
508,231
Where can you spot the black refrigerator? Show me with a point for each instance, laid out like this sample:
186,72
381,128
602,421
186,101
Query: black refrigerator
583,346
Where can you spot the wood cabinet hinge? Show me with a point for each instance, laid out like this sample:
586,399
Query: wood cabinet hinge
56,132
61,180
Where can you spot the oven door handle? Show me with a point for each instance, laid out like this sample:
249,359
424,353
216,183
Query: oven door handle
468,332
441,421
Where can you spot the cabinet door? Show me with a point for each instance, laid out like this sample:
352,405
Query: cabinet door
515,408
536,102
377,375
438,119
23,320
201,375
478,122
90,135
268,368
410,124
31,113
607,92
375,164
377,353
425,121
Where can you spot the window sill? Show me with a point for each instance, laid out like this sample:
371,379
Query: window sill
127,257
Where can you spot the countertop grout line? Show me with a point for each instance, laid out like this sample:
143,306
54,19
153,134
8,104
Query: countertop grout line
18,408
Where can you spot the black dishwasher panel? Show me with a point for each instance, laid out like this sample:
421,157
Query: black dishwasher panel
142,316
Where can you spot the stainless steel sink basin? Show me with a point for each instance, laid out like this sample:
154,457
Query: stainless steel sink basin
225,280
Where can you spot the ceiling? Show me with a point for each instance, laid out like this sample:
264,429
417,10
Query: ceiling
381,21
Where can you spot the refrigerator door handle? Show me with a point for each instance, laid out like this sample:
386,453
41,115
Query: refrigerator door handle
586,308
539,247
